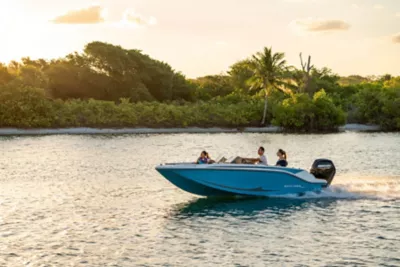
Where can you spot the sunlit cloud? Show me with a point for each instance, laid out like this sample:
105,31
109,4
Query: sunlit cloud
398,14
89,15
97,15
131,18
319,25
396,38
378,6
355,6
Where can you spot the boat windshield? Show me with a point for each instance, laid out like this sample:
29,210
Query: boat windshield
232,159
223,159
220,159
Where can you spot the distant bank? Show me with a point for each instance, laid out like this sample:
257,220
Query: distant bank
270,129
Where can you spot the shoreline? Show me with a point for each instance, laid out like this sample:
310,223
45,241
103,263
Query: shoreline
88,130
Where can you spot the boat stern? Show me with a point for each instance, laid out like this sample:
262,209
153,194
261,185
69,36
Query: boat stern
323,169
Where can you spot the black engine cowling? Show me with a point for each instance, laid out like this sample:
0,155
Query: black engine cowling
323,169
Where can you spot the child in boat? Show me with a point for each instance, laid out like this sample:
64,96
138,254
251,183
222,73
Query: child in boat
204,158
282,162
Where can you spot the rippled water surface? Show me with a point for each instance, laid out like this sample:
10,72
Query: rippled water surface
97,201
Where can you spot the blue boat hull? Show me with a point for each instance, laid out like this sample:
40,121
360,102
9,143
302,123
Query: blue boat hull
254,181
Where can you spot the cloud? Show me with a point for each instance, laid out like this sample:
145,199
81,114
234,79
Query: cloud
398,14
396,38
96,15
377,6
132,18
355,6
318,25
90,15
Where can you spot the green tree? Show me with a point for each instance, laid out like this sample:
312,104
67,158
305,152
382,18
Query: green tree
240,73
352,80
5,76
300,112
269,74
32,76
212,86
131,70
392,83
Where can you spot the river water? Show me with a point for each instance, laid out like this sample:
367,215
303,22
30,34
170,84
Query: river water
81,200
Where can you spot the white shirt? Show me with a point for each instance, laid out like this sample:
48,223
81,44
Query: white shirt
263,160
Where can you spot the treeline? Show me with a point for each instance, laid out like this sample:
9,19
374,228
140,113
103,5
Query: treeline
108,86
102,72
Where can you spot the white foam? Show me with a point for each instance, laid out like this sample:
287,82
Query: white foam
373,190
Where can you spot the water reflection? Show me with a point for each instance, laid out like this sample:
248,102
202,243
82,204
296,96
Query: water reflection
244,207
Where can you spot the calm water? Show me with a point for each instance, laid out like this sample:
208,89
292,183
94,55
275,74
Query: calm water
97,201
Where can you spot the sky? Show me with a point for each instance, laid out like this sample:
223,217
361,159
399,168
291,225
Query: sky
202,37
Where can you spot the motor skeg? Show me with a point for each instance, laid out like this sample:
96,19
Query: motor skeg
323,169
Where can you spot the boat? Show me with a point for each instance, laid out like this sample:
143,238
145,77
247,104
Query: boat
222,178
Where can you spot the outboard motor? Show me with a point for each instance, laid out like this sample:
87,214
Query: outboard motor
323,169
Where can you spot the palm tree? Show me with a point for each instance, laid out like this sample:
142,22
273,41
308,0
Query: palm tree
269,73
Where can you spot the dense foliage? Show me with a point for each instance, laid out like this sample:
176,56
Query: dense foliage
379,103
108,86
301,112
28,107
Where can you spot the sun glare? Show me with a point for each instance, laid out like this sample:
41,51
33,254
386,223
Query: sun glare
38,40
29,34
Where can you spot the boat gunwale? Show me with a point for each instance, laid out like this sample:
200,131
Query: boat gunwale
242,167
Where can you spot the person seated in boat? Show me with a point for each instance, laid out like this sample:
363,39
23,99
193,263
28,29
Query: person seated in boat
262,159
204,158
282,161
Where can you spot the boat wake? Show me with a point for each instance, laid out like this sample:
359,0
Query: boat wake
378,188
345,188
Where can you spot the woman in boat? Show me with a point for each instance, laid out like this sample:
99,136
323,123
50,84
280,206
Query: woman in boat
282,161
204,158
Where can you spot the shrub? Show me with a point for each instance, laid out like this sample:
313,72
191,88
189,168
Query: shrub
25,107
380,104
301,113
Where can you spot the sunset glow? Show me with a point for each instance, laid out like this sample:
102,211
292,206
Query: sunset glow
204,37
